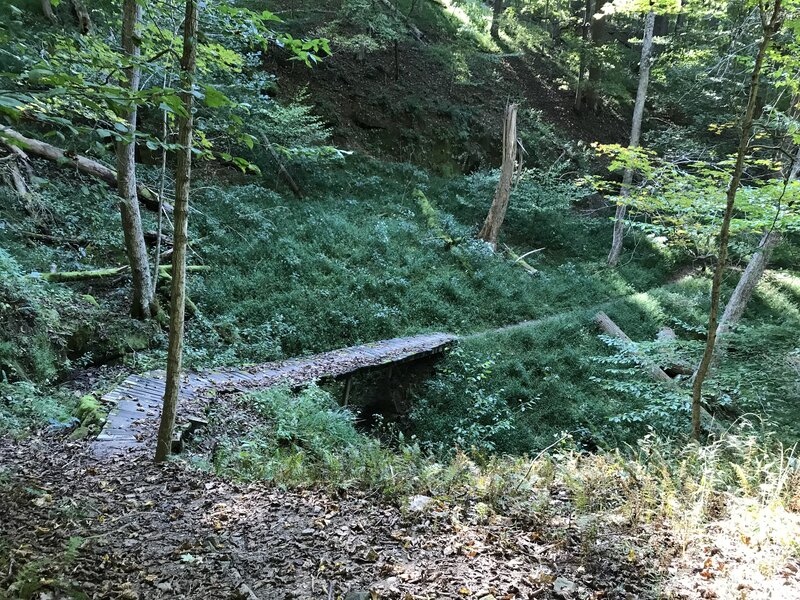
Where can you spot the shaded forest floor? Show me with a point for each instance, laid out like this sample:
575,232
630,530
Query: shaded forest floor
125,528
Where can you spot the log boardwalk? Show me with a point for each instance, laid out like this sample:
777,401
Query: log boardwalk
132,422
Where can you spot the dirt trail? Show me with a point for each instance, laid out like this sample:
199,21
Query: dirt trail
137,530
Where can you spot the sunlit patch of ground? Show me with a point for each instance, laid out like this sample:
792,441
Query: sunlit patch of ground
753,553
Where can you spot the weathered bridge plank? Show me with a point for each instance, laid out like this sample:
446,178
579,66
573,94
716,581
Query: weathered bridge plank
137,400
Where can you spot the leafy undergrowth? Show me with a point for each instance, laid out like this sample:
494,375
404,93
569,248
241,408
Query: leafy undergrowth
513,390
46,332
357,261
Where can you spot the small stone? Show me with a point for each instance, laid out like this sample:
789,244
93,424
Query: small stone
419,503
563,587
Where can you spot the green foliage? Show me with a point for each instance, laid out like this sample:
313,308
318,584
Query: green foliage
357,261
305,439
647,405
363,26
25,407
45,575
69,81
682,205
299,440
457,409
30,345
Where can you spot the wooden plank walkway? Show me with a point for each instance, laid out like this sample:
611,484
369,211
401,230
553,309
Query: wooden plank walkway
133,421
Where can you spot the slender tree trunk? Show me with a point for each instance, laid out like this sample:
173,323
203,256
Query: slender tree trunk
588,11
497,213
161,190
142,290
47,9
770,27
497,11
183,178
680,20
636,132
598,35
661,26
794,171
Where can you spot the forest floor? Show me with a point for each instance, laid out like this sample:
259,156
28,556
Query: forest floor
77,527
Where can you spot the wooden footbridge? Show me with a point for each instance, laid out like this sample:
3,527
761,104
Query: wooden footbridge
132,422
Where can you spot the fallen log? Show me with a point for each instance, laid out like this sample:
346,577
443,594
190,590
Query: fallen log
16,158
673,369
70,276
432,218
656,372
17,180
519,260
612,329
84,164
151,237
54,239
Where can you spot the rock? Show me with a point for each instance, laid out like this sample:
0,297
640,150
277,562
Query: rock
564,587
419,503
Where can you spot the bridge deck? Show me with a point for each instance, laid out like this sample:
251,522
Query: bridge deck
132,422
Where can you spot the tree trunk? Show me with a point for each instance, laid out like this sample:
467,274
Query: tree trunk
748,282
636,131
497,11
76,161
281,168
770,27
497,213
598,34
612,329
738,301
82,16
72,276
183,177
588,11
142,297
661,26
794,171
47,9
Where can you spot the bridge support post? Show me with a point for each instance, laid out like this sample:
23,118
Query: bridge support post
348,384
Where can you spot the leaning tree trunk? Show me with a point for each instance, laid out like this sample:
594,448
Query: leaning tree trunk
636,132
794,173
183,177
142,289
82,163
497,10
748,282
752,274
497,213
770,27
